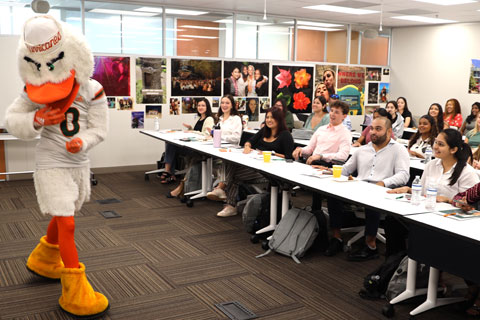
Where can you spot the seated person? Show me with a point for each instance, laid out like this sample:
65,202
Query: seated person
282,104
425,135
397,119
449,171
384,162
453,114
473,136
330,142
469,123
319,116
406,114
275,137
204,125
365,136
436,111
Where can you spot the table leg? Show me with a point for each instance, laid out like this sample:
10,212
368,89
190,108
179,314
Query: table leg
285,201
273,211
206,180
410,290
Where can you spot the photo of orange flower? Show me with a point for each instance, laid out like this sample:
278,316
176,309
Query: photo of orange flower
300,101
302,78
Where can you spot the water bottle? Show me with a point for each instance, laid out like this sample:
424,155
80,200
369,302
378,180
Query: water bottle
428,154
431,197
217,138
156,124
416,191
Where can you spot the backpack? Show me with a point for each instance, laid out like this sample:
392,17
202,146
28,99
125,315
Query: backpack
255,204
294,235
375,283
398,282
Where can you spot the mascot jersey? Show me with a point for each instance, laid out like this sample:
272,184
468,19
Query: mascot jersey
51,151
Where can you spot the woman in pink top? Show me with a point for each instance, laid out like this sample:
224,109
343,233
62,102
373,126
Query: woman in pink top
453,113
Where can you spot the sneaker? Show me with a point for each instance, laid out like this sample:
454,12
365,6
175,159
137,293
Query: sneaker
364,254
217,195
228,211
335,246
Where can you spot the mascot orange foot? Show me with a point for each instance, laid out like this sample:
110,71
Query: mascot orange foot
45,260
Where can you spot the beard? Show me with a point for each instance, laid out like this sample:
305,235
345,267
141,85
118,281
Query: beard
378,140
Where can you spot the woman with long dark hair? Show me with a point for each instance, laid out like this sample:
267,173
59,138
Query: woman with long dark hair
406,114
425,135
275,137
397,119
436,111
469,123
282,104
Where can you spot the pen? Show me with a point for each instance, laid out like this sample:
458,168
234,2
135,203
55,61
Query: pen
450,214
398,197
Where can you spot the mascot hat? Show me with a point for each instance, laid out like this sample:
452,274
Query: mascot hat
52,58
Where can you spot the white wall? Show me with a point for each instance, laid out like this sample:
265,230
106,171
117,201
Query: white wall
432,64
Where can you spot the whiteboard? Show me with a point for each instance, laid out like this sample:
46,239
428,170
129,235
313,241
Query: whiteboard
11,85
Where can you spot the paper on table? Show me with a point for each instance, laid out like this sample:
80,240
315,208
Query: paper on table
344,179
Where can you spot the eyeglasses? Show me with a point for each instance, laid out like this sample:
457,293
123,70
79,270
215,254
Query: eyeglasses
334,96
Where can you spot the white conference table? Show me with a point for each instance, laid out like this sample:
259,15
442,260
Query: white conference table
7,137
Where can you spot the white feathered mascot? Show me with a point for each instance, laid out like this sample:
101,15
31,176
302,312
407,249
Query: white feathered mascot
69,111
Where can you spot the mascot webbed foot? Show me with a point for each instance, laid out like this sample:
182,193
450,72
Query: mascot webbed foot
45,260
78,297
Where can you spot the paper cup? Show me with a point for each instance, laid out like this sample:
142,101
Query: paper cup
267,156
337,171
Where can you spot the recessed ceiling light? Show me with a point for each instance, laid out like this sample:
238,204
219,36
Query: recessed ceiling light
172,11
424,19
251,23
447,2
202,27
338,9
317,28
315,24
124,12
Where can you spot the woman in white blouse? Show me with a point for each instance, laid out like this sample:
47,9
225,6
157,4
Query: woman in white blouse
449,171
229,120
425,135
397,119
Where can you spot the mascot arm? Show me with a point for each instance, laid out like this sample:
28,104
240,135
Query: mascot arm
97,124
19,118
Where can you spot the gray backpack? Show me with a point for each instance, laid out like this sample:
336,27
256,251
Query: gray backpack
294,235
398,282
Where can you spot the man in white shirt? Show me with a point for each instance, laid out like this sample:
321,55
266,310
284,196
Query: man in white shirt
384,162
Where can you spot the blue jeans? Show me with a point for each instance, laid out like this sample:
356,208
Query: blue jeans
170,153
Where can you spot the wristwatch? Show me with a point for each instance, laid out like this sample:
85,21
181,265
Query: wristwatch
273,153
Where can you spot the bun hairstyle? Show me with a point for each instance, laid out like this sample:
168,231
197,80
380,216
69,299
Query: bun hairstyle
454,139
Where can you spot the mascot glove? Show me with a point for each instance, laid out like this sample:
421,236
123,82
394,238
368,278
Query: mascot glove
48,116
74,145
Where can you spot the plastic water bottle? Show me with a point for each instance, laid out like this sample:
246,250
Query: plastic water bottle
431,197
416,191
428,154
156,124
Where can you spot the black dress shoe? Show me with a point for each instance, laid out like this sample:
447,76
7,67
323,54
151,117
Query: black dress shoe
169,195
335,246
364,254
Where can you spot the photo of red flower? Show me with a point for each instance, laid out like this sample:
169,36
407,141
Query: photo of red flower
302,79
284,78
294,84
300,101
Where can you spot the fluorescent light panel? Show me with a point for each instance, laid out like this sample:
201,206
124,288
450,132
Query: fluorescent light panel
172,11
124,12
447,2
317,28
424,19
338,9
199,37
201,27
314,24
252,23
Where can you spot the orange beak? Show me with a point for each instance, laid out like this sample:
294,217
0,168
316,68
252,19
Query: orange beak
51,92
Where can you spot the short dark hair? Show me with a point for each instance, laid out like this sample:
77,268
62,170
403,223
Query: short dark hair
384,113
322,99
341,105
386,120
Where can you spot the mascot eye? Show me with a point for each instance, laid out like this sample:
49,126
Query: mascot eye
51,65
28,59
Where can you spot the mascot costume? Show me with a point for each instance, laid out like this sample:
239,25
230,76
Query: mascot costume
69,111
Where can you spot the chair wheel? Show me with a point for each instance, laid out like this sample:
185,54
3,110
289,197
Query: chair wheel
189,202
147,177
347,248
265,245
254,238
293,193
388,310
94,182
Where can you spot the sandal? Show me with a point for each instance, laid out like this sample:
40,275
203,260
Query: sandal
473,311
162,176
168,179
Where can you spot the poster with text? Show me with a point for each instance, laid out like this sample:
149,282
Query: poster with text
196,77
175,106
138,120
325,80
295,85
113,73
474,83
384,92
372,92
153,111
245,78
351,87
150,81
